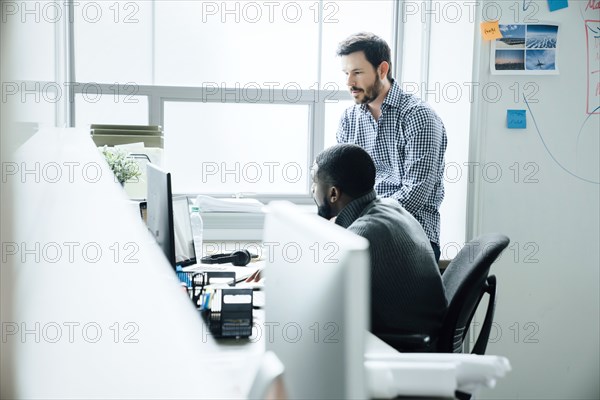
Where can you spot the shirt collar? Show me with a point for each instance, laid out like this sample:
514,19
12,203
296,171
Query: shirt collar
352,211
394,95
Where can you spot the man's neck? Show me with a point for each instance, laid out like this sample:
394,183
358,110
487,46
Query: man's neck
375,105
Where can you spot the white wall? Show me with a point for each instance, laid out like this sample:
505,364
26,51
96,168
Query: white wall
547,315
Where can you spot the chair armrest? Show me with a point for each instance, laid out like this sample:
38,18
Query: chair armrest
484,334
409,343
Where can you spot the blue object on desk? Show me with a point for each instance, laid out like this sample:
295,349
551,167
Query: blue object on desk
183,277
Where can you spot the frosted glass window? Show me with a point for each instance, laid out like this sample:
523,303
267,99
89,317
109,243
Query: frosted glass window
92,108
229,148
237,43
343,18
333,113
113,41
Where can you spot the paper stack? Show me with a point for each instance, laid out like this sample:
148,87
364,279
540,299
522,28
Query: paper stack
211,204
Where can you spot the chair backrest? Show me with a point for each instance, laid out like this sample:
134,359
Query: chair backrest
465,282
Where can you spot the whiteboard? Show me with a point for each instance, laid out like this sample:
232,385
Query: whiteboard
541,187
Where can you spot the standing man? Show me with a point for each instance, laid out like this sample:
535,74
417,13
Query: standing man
405,138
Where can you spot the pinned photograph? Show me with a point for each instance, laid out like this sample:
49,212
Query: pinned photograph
525,49
542,60
513,37
541,36
510,60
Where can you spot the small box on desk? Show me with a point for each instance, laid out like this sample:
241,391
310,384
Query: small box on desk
227,310
230,314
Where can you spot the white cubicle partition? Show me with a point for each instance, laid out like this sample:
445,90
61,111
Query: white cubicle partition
90,306
319,327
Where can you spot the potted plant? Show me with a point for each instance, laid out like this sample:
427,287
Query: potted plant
123,166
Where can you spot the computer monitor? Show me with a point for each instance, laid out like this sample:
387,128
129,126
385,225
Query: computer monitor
168,219
185,253
159,210
316,303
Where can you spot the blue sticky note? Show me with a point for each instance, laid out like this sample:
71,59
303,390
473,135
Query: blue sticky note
516,119
557,4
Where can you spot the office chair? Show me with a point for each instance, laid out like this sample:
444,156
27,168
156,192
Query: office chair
465,282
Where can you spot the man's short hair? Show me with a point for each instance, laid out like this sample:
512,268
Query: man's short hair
348,167
375,48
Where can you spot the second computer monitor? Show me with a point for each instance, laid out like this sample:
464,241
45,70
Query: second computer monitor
160,210
185,253
316,303
168,219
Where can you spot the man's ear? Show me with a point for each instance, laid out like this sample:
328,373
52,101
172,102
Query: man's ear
334,194
383,69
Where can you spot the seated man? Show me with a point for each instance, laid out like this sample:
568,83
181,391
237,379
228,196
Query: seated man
407,294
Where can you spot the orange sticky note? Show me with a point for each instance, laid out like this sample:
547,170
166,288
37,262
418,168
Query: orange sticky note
490,30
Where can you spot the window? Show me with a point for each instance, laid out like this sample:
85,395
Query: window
236,75
237,44
29,78
113,42
246,135
95,105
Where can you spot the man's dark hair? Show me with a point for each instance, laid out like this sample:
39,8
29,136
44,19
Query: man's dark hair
375,48
348,167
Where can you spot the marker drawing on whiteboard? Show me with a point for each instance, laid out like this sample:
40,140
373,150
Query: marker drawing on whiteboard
548,150
526,4
584,122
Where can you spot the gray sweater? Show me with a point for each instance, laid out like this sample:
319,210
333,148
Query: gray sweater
407,294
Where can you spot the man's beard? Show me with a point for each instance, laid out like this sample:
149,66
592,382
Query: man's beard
325,210
370,93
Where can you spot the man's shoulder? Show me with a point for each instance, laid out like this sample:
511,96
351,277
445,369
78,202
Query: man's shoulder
411,106
408,103
391,229
386,214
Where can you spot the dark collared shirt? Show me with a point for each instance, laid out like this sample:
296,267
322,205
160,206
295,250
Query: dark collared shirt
407,144
407,294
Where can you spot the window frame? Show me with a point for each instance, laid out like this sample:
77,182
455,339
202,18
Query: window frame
159,94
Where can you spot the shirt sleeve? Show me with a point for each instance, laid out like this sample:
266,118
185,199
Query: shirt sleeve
342,131
424,134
